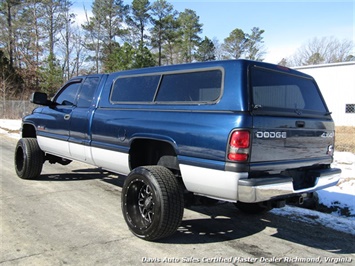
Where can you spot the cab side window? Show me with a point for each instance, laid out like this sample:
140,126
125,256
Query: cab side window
67,95
87,91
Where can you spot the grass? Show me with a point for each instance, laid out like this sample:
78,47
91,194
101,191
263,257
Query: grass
345,139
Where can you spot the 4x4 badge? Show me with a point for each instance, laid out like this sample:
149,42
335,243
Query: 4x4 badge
327,135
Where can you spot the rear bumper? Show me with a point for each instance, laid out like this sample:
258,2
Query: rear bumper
264,189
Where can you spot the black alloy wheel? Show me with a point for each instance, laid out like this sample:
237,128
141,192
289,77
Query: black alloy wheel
152,202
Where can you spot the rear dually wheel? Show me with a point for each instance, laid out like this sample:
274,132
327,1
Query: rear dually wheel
29,158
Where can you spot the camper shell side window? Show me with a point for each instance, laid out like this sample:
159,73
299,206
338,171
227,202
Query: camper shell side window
196,87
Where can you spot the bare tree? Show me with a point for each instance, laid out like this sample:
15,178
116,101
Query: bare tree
79,52
219,53
321,51
65,39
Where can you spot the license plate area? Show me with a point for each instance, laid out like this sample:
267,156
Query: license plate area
302,179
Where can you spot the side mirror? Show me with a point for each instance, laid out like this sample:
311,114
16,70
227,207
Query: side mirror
39,98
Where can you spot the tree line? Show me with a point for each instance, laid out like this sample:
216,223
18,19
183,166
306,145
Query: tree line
42,45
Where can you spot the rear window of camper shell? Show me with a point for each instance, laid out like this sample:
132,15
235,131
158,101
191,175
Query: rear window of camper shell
273,90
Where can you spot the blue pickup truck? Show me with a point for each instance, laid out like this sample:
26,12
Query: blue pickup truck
246,132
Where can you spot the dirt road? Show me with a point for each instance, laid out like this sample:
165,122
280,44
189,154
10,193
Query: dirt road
72,215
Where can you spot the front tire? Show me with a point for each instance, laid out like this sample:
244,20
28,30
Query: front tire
29,158
152,202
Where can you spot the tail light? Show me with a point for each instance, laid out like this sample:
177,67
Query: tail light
239,144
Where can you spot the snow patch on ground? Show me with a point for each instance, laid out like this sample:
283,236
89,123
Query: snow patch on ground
340,199
10,128
337,223
10,124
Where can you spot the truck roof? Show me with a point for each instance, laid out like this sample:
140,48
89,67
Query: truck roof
218,63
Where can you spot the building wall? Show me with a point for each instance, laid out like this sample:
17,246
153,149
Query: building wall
337,84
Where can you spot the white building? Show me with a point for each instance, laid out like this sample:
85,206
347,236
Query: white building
337,84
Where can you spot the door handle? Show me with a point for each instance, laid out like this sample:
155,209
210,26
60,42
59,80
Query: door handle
300,123
66,117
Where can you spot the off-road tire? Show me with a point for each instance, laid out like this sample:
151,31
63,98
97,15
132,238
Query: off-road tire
152,202
29,158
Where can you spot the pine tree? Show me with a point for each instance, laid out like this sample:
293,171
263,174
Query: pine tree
205,51
51,75
254,49
163,21
104,29
8,11
190,28
139,21
235,44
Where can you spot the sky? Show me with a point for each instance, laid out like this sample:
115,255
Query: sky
288,24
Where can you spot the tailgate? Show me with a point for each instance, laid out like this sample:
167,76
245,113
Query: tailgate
292,126
287,139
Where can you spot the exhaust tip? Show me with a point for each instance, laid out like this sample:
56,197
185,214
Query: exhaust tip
300,200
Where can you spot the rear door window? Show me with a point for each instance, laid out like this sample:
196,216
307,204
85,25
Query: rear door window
273,90
87,91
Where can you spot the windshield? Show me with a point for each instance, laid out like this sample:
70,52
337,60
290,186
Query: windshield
275,90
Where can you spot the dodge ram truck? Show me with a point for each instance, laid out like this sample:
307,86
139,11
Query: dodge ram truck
251,133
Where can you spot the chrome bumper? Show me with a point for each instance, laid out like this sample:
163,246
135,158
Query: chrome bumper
268,188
